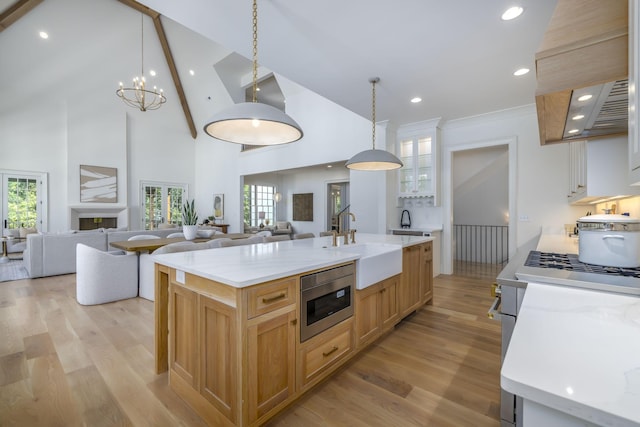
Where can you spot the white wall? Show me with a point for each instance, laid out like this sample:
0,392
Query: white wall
542,176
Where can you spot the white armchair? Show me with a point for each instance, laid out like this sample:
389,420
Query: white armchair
283,227
103,277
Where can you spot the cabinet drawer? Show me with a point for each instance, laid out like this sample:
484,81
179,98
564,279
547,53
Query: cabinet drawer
262,299
320,353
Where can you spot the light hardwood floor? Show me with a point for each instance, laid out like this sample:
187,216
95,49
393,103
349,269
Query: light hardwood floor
63,364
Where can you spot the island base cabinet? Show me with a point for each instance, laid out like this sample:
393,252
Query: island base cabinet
377,310
409,294
323,353
271,350
184,325
427,273
218,356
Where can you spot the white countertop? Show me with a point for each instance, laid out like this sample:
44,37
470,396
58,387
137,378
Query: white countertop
558,243
577,351
241,266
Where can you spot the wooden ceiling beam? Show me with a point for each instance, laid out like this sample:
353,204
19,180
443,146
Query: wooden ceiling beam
162,36
16,11
174,74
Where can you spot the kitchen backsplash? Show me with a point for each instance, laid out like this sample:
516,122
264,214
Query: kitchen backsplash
630,205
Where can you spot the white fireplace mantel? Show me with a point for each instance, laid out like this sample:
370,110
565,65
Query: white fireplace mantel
98,210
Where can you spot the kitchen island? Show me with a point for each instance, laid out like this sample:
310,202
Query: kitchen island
573,354
227,320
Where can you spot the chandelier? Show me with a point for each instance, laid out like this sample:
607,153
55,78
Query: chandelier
138,96
374,160
254,123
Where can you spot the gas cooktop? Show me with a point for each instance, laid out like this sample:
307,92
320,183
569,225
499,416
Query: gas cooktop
570,262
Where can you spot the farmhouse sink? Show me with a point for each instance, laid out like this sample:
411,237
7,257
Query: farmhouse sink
377,261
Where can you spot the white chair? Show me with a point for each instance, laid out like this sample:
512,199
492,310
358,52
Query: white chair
303,236
147,280
264,233
143,237
241,242
172,235
278,238
103,277
217,243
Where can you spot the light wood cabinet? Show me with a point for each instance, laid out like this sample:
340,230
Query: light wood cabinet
376,310
183,322
234,354
427,277
634,96
271,360
218,357
410,282
321,354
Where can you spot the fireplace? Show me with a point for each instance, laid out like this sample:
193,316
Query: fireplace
97,222
91,216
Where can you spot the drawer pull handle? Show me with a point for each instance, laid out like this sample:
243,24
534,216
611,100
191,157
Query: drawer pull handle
294,322
275,298
330,352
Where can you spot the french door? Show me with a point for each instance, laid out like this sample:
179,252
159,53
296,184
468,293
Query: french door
24,200
161,203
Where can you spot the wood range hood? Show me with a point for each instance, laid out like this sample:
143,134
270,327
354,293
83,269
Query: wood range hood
584,51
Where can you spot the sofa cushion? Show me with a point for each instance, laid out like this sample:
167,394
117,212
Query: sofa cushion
25,231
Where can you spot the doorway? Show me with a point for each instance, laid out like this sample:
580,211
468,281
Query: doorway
495,162
24,200
337,201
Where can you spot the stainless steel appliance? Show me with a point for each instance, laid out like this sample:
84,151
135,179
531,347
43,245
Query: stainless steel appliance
505,309
326,299
546,267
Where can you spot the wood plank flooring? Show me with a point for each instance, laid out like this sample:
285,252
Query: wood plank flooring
63,364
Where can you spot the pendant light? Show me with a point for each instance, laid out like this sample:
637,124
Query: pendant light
254,123
374,160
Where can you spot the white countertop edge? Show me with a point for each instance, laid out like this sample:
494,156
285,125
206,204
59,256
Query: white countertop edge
287,258
525,374
263,278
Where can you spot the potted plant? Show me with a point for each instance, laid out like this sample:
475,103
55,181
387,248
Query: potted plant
189,220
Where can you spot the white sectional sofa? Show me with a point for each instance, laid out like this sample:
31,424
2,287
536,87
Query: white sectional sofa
50,254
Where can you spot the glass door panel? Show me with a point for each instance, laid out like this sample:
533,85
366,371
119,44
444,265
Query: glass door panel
162,203
20,201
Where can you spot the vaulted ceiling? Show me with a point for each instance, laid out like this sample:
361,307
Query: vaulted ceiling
458,56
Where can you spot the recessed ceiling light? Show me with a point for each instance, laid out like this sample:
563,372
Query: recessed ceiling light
512,13
578,117
329,166
258,89
416,99
585,97
521,72
44,35
574,131
152,73
192,72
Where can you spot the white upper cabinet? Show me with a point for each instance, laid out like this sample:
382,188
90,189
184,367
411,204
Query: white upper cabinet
634,99
418,149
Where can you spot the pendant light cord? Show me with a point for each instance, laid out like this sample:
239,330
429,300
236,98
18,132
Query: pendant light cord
255,50
373,82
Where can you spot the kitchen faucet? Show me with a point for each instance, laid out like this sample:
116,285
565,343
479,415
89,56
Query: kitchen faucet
342,231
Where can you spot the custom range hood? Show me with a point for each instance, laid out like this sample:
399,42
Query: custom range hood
581,71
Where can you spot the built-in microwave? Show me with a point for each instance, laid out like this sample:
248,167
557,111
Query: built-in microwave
326,299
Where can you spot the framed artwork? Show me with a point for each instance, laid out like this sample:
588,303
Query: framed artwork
218,206
303,207
98,184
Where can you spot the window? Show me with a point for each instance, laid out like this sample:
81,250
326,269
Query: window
259,207
162,203
21,202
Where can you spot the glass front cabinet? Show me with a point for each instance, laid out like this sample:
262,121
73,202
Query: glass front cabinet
418,149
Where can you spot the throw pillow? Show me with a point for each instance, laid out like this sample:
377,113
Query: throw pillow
25,231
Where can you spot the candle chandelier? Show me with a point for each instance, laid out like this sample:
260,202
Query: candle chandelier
138,96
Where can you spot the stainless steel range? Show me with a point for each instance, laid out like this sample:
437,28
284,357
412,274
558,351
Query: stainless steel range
570,262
